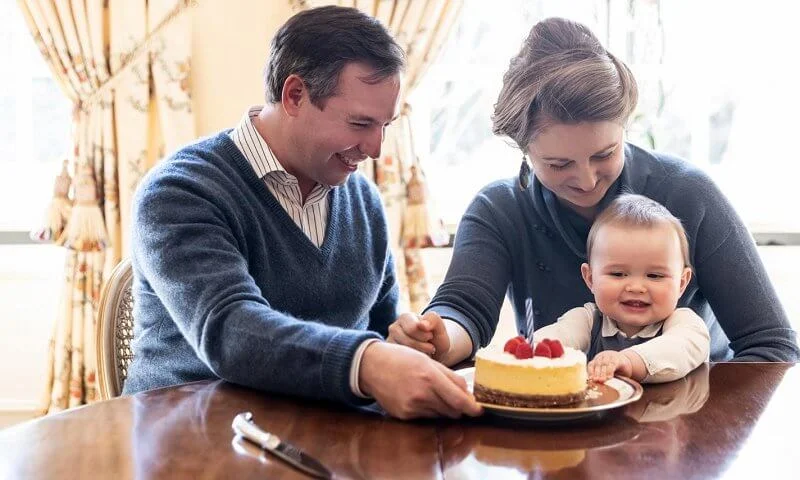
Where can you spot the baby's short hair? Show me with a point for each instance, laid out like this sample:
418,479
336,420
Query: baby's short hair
634,210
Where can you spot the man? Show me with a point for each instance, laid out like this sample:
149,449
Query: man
262,258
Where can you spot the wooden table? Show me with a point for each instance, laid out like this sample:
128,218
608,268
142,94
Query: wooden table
739,419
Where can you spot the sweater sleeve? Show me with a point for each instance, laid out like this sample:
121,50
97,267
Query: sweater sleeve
384,311
732,277
185,248
480,270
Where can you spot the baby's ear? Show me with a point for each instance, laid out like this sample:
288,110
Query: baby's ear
586,273
686,277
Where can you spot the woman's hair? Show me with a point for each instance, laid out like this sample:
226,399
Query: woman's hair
638,211
562,75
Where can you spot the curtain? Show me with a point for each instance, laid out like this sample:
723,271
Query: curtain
132,103
420,27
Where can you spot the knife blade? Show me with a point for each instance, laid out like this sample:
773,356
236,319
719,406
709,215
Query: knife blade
244,426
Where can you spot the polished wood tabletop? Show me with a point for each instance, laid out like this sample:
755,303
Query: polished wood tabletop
729,419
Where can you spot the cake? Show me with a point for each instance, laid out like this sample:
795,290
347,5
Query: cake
546,375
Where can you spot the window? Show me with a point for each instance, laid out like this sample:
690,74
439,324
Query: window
720,94
35,119
35,122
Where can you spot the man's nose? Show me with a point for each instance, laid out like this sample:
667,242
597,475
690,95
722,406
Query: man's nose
371,144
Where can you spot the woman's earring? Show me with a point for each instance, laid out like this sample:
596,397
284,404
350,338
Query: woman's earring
524,174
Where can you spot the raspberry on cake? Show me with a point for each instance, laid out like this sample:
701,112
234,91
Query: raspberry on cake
544,375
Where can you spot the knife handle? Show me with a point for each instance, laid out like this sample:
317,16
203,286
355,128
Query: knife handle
244,425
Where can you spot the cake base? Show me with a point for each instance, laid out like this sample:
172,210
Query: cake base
496,397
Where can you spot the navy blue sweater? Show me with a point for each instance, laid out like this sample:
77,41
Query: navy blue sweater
227,286
527,244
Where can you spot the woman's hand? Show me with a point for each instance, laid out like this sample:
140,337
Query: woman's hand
426,334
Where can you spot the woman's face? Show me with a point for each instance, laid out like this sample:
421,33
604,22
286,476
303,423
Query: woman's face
578,162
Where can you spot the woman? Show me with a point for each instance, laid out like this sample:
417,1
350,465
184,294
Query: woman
565,102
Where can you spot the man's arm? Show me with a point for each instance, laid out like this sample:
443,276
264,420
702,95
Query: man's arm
384,311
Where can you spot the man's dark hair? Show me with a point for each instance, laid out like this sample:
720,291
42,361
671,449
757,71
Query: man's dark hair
317,44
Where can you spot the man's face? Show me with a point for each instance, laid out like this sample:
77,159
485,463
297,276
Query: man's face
349,128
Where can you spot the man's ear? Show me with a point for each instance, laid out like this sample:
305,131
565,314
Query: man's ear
686,277
586,273
293,95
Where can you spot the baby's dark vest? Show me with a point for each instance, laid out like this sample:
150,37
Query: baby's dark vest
617,343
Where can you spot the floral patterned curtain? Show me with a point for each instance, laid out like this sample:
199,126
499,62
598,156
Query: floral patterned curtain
132,104
420,27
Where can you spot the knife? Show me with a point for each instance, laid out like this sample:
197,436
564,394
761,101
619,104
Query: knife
244,426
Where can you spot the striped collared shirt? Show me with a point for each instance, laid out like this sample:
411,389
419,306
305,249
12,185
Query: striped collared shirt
311,217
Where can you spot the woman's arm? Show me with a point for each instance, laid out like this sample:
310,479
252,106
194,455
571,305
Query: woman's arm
480,270
731,276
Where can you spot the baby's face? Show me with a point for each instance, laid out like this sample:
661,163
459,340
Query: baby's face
637,274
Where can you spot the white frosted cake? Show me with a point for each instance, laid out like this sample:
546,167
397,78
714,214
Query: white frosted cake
540,376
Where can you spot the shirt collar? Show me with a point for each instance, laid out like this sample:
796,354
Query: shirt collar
611,329
258,153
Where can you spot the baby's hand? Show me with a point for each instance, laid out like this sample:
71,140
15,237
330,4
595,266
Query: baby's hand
426,333
605,364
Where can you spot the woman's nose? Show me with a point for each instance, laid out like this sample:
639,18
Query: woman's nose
587,179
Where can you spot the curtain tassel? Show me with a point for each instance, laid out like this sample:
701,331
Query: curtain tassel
58,211
418,230
85,231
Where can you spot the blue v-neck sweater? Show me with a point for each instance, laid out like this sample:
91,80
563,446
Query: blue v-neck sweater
227,286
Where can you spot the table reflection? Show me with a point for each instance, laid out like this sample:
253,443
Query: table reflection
665,401
166,424
352,443
646,433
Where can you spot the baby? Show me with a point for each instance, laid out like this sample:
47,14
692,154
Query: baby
638,267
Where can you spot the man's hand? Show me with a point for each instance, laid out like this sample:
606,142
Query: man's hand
426,334
605,364
407,384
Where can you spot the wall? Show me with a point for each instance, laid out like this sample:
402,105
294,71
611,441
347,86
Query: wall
230,43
